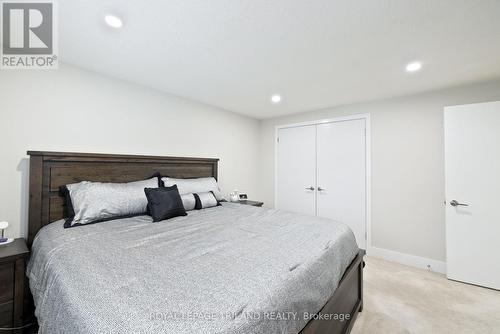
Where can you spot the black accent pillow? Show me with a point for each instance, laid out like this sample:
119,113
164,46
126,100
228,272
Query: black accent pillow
160,184
164,203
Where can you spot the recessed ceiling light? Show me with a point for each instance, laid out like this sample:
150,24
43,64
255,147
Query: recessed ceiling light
414,67
275,99
113,21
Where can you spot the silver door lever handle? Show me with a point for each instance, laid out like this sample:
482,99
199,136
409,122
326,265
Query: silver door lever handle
310,188
455,203
321,189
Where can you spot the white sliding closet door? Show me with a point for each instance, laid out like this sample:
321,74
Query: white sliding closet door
296,169
341,174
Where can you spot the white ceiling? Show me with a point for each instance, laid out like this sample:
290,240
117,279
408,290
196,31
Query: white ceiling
235,54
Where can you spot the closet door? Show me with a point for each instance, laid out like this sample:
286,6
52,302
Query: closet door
341,158
472,165
296,169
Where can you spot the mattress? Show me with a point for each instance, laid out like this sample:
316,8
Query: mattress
227,269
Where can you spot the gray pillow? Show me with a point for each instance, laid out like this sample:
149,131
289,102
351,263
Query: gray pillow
192,186
95,202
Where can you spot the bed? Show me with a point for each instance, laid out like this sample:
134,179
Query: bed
228,269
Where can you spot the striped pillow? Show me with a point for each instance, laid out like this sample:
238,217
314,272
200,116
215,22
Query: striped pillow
205,200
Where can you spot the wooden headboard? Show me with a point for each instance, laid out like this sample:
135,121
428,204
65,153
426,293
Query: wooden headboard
50,170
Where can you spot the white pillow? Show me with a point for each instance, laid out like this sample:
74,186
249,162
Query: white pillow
192,186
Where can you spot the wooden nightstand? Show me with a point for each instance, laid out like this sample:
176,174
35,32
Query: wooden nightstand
252,203
12,276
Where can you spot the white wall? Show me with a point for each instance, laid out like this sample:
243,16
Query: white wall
407,165
74,110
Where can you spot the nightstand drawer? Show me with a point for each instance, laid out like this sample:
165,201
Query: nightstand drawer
6,315
6,282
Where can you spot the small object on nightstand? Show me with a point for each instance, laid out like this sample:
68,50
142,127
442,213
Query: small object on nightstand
252,203
3,226
234,196
3,240
12,277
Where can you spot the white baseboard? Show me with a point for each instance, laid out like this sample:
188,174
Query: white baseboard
407,259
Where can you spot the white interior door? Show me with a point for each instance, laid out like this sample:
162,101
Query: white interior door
472,159
296,169
341,159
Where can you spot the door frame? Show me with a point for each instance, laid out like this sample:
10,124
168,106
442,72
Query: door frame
365,117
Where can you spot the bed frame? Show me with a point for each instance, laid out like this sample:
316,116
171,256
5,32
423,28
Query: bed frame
50,170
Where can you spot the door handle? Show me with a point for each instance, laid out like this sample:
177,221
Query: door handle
455,203
310,188
321,189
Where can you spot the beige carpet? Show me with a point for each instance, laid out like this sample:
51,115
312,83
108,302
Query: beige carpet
401,299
